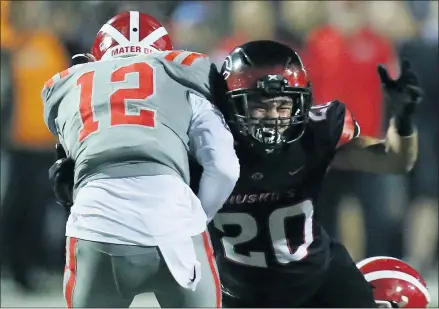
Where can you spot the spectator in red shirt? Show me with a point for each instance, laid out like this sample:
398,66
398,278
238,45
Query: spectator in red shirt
342,58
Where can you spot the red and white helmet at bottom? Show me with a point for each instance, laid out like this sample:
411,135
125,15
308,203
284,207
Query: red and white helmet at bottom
395,283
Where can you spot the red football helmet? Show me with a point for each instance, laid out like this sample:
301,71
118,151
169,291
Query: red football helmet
395,283
129,34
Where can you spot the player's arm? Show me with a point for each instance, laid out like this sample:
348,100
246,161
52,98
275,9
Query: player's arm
52,93
211,143
396,154
50,109
399,151
61,173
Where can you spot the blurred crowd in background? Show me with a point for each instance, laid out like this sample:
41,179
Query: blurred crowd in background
341,43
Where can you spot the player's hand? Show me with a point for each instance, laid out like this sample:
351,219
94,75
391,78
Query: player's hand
405,92
61,175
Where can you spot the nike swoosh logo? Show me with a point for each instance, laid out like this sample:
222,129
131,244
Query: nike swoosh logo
195,275
296,171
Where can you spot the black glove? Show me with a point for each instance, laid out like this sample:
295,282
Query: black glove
405,94
61,174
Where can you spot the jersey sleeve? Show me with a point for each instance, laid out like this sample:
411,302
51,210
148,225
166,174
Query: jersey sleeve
336,122
52,94
50,102
211,143
191,69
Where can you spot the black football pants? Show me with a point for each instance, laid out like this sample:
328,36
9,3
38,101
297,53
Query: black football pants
341,285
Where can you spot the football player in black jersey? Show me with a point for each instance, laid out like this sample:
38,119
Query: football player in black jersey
271,250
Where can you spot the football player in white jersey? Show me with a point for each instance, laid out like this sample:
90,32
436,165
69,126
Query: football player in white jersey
128,120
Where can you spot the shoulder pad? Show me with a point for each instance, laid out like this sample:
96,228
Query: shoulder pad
334,123
58,76
319,112
183,57
191,69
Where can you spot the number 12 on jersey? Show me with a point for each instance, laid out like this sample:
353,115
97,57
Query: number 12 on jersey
276,223
117,104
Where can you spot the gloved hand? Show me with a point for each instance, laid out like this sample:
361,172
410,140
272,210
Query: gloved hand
61,174
404,94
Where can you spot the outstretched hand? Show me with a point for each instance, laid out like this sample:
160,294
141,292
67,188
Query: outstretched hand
405,92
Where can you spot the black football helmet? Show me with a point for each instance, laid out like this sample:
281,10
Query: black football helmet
260,71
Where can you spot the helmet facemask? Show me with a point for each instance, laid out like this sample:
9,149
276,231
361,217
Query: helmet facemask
272,117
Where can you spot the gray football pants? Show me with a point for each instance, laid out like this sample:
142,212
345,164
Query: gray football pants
109,275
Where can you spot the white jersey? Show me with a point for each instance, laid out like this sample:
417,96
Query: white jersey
130,125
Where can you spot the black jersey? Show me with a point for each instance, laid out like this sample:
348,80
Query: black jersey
269,222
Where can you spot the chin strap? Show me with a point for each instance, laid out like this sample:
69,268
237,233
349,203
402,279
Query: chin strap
383,304
392,304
